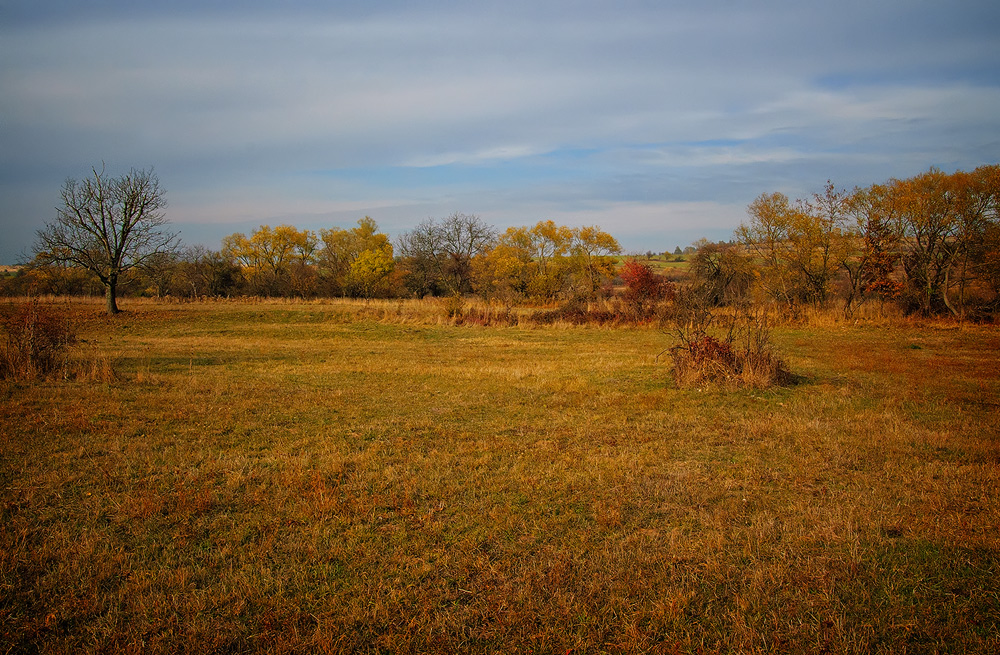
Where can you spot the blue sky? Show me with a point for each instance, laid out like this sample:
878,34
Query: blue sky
658,121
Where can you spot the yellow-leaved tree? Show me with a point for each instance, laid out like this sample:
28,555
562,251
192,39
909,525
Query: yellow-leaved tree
371,271
274,261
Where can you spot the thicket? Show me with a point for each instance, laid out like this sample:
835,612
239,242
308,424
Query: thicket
35,340
930,244
729,347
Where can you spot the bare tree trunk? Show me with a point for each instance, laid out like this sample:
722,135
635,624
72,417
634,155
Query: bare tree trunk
112,296
944,293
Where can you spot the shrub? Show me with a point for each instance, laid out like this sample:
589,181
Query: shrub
743,357
454,306
35,341
644,290
576,310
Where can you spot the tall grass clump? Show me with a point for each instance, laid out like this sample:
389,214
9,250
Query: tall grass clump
738,352
35,341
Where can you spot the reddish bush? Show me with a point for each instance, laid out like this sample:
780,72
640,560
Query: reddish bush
710,349
35,340
641,283
644,289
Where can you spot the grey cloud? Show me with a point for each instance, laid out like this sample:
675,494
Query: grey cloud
247,105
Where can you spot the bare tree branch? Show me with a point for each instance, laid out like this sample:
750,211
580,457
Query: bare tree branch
108,225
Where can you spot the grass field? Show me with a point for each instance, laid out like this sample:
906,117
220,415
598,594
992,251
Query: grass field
344,477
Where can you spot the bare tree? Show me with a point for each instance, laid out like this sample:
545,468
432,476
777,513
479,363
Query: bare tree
464,236
108,225
438,256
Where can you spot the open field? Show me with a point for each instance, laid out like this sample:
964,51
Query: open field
336,477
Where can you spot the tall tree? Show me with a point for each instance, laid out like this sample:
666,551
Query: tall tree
437,257
767,238
930,228
108,225
871,260
342,248
423,252
800,245
272,259
593,250
463,237
977,205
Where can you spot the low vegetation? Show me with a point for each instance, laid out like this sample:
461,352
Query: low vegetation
34,339
738,353
392,476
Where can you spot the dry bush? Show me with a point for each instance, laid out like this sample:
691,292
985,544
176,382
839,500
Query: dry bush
577,310
742,357
35,341
454,306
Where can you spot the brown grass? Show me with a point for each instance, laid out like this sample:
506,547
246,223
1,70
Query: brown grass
351,477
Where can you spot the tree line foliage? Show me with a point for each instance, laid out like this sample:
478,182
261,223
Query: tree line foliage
930,243
456,256
462,255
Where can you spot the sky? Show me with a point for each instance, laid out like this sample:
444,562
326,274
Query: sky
659,121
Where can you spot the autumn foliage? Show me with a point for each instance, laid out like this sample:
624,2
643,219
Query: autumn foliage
927,242
35,340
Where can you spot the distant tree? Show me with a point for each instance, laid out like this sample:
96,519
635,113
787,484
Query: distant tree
722,274
798,245
108,225
644,288
929,225
371,271
870,261
977,200
422,256
271,258
437,257
592,251
463,237
500,275
204,272
59,278
766,238
341,249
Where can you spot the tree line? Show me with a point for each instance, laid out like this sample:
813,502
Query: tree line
110,236
930,244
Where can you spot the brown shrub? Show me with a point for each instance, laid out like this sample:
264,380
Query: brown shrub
35,340
743,357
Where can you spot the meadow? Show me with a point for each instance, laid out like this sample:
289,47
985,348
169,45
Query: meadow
369,477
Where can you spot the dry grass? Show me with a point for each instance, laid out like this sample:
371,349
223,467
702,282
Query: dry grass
334,477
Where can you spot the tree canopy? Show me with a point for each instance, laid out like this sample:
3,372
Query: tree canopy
108,225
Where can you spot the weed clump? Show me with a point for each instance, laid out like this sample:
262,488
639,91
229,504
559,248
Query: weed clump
575,310
35,341
742,356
